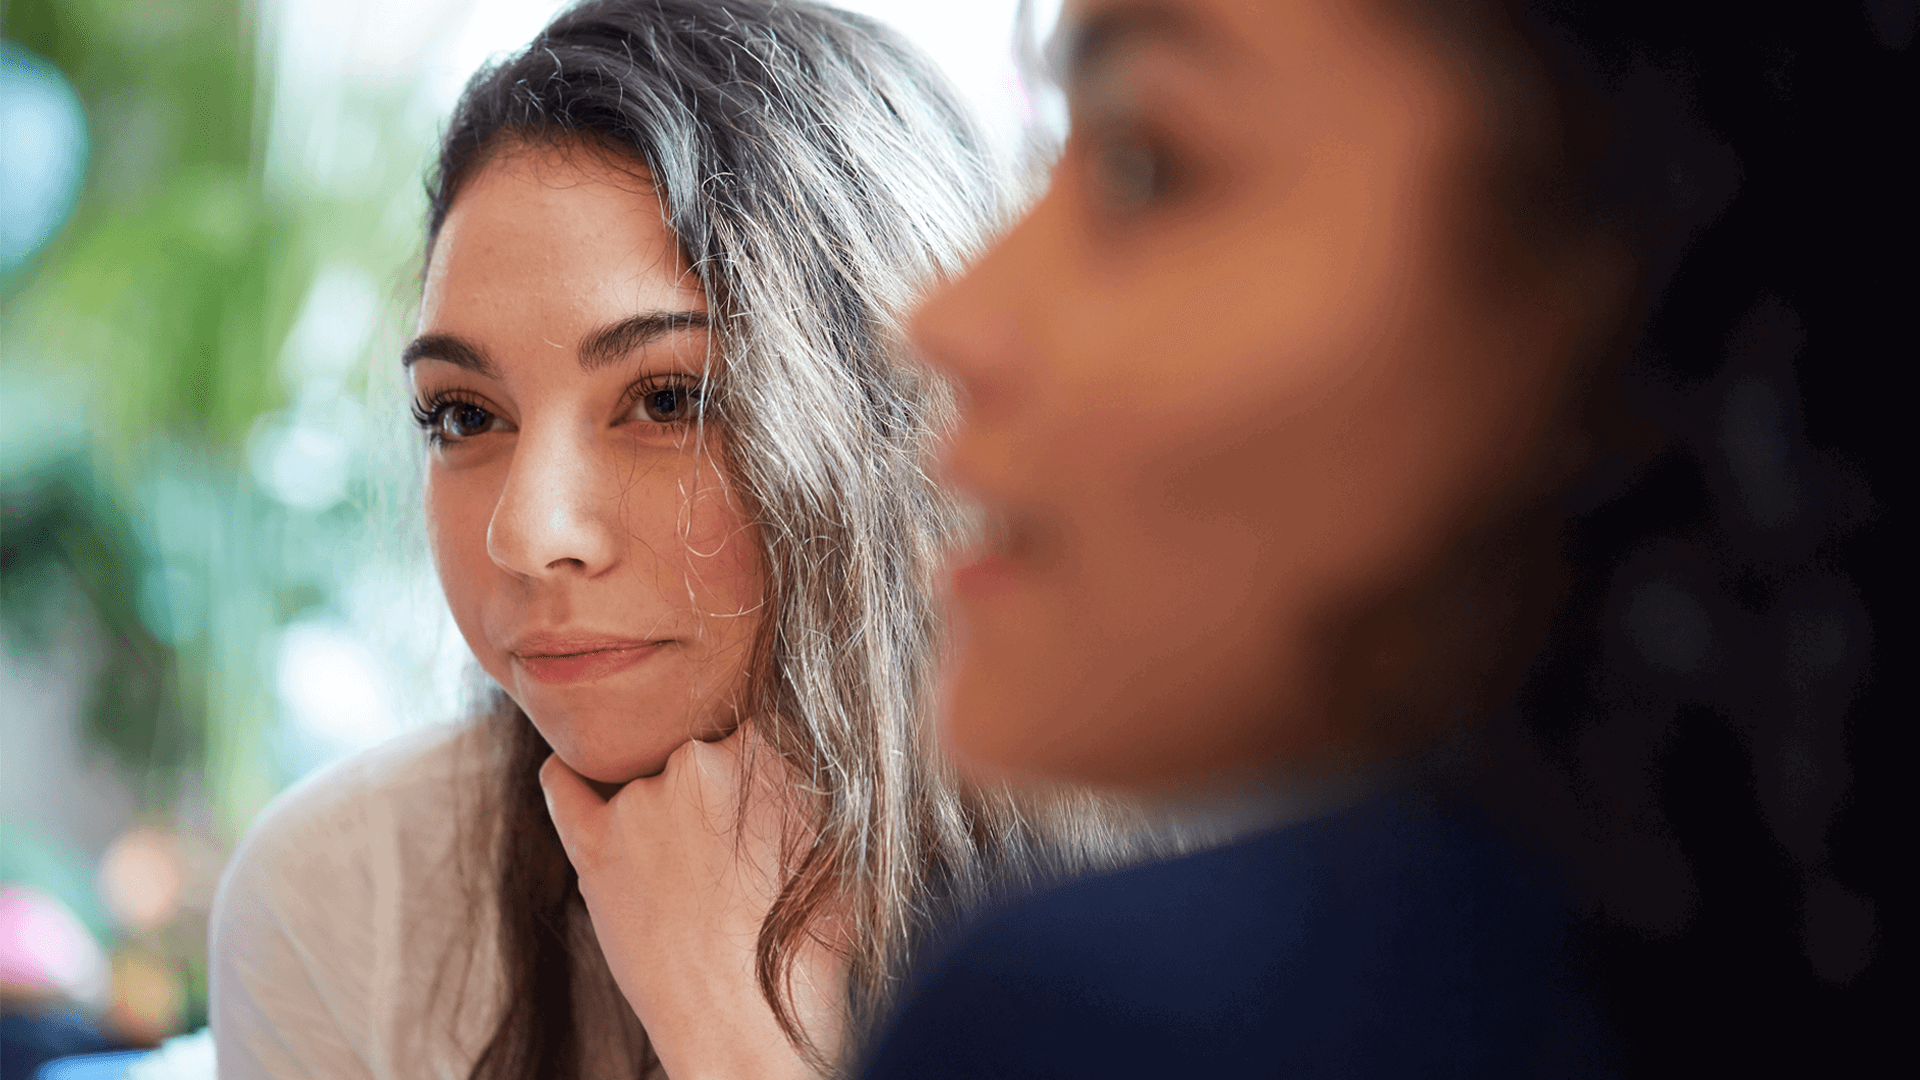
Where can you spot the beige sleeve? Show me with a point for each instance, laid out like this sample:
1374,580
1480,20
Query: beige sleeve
338,919
292,950
350,942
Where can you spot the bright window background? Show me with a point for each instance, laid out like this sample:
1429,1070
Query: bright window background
215,580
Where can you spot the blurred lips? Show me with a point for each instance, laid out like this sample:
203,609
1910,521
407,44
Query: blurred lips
559,659
981,571
1014,537
1012,543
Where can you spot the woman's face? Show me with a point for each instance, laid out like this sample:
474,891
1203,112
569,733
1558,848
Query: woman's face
589,544
1269,355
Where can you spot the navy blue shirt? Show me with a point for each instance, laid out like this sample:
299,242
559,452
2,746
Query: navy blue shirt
1395,938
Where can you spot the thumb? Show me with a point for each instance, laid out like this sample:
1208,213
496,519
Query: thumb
577,810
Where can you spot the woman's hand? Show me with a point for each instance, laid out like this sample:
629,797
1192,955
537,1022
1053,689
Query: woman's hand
677,896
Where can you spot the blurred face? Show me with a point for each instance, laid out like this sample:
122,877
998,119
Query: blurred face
1255,397
588,542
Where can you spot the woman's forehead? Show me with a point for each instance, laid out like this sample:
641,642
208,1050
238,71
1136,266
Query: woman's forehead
550,228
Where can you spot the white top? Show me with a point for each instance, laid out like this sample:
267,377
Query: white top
354,931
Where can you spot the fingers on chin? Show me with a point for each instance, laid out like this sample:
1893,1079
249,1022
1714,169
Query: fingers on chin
570,802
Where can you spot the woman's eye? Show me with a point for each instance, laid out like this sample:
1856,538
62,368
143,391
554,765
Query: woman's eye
1130,164
462,420
669,404
1130,173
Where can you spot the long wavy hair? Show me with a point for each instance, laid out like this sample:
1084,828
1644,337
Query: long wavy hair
817,172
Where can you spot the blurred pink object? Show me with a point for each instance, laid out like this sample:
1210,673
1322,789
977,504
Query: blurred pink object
44,947
141,879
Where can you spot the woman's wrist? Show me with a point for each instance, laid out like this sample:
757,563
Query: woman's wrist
725,1029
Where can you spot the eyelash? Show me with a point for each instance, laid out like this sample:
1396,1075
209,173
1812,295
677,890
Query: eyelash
430,413
693,388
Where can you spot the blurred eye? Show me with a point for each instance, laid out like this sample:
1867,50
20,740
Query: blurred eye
668,404
1129,164
1130,173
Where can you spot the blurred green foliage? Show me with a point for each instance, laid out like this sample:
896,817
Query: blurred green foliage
169,287
145,372
160,302
146,340
65,542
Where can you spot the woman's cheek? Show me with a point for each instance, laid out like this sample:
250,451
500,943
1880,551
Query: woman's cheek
719,546
708,558
459,511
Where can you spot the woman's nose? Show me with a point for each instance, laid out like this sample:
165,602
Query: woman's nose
973,341
552,518
973,329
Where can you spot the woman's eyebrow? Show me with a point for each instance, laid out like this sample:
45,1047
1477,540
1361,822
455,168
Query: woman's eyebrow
1104,34
453,350
610,344
607,345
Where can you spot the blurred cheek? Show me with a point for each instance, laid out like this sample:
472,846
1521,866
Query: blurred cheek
1202,548
1155,648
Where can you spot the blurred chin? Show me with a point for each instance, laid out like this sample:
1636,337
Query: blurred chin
978,731
1148,752
1025,723
1144,722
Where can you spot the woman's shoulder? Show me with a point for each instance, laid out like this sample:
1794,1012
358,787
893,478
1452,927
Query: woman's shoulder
350,909
429,770
402,803
1393,932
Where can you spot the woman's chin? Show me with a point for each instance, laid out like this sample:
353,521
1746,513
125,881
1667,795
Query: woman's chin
610,772
996,733
608,750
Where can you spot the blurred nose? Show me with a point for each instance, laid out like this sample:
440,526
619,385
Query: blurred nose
552,519
978,330
970,329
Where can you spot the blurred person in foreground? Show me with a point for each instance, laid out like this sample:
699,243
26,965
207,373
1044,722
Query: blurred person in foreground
1389,422
675,497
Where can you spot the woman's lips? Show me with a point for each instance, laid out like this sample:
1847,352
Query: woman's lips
1010,544
561,661
981,572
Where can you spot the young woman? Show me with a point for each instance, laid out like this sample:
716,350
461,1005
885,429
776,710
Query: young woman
1302,410
675,498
